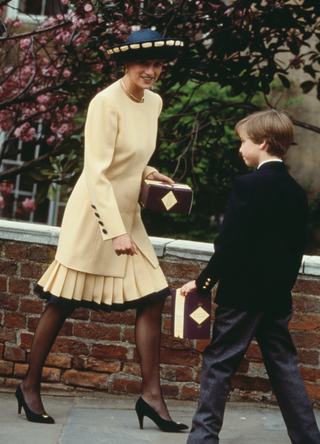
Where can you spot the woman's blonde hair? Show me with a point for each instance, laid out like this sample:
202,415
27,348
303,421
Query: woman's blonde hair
272,126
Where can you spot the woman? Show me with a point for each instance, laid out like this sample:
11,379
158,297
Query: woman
104,258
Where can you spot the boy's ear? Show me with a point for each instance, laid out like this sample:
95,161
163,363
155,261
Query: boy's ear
263,145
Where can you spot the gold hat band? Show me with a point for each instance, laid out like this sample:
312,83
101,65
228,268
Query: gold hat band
145,45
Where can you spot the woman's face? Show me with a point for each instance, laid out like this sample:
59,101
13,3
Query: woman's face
144,73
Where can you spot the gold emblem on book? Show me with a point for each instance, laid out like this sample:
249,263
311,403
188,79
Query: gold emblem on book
169,200
199,315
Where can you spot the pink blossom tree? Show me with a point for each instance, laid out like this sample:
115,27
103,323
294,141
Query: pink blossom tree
48,76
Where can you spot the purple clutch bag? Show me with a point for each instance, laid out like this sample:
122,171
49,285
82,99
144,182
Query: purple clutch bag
190,315
162,196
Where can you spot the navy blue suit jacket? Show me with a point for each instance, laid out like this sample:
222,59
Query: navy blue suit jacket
259,248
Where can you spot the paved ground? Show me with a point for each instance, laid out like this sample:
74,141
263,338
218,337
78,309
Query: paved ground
111,419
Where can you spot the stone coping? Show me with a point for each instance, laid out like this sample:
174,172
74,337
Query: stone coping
29,232
184,249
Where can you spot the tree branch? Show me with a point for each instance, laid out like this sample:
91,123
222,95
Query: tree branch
28,166
35,32
45,90
306,126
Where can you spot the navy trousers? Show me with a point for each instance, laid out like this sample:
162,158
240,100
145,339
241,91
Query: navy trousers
232,334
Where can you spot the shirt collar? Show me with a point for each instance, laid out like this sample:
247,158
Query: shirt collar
270,160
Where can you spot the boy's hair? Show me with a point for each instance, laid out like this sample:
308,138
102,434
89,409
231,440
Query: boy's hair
272,126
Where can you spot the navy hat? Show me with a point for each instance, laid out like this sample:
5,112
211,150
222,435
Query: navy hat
146,45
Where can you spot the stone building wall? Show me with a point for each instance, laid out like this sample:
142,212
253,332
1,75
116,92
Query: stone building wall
96,350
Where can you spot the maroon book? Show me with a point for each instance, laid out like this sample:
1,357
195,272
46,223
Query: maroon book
190,315
162,196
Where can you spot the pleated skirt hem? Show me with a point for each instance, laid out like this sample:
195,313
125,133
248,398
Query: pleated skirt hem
126,305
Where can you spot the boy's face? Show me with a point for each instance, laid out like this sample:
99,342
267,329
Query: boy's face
250,151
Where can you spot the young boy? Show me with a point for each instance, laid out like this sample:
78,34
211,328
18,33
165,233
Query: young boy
257,258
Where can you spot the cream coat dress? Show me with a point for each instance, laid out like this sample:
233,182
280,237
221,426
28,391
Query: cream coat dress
120,138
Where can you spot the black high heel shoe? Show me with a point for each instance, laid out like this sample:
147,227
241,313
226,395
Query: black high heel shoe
143,409
32,417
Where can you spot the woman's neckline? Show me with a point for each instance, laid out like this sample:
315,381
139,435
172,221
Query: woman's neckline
131,96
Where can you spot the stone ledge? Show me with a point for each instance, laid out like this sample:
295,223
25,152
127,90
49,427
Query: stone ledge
48,235
29,232
311,265
190,250
160,244
185,249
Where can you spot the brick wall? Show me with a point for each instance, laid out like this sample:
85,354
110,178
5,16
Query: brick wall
96,350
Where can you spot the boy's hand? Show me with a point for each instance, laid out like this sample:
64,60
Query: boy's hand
189,286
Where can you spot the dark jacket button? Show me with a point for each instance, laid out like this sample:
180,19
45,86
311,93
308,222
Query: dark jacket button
94,207
101,223
97,214
104,231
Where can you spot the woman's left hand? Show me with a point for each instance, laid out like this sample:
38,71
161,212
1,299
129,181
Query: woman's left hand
161,177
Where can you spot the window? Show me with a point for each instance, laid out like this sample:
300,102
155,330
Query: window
13,193
42,7
33,11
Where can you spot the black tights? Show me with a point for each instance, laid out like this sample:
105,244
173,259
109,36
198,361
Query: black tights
148,337
46,332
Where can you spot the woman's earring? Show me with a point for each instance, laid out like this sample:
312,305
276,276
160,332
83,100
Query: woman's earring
125,69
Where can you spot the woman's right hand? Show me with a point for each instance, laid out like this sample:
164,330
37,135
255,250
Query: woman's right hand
124,245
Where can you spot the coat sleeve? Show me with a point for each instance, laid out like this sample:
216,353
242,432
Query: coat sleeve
100,138
232,236
149,169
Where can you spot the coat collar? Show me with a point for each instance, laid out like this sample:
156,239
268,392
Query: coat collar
275,165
